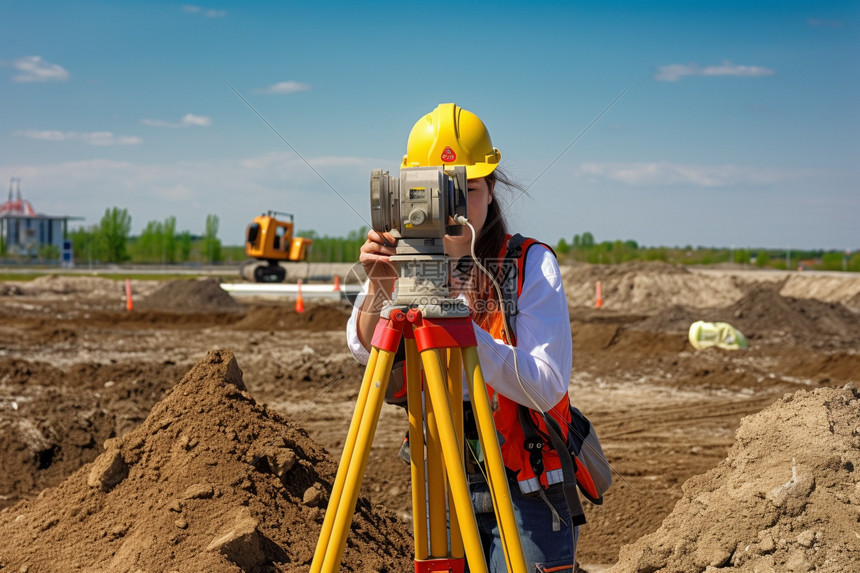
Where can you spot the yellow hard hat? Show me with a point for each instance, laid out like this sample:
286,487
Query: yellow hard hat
451,135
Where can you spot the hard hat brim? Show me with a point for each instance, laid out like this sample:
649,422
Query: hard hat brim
480,170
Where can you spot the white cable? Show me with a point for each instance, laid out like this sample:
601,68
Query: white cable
463,221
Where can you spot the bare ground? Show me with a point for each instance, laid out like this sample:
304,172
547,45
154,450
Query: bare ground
76,369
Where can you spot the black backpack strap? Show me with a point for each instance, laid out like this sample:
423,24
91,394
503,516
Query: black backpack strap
568,468
510,283
533,442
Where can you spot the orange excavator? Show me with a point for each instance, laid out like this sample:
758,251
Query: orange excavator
269,241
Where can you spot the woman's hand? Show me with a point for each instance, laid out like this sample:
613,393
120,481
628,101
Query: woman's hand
375,255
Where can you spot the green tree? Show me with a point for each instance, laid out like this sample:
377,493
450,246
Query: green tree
169,245
587,240
854,262
158,242
562,247
832,261
211,245
86,245
762,259
149,245
656,254
184,246
113,234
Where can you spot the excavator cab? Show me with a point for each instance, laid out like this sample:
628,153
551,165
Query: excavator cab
269,238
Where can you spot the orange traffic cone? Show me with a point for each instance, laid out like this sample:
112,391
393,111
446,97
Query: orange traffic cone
300,303
599,296
128,302
336,283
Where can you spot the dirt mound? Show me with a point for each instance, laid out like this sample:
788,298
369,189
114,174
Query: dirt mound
674,319
58,284
827,287
647,287
211,481
316,317
824,368
784,499
10,289
763,313
54,420
71,293
190,296
602,272
854,303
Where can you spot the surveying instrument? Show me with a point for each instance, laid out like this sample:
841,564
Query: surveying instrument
438,337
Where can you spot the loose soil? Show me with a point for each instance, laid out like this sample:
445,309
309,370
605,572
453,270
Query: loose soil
784,499
86,385
210,481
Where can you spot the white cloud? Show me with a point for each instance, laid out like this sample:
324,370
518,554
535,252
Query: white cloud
106,138
207,12
196,120
674,72
664,173
284,88
97,138
36,69
188,120
44,135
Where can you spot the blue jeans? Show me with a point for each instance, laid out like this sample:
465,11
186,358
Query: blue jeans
543,548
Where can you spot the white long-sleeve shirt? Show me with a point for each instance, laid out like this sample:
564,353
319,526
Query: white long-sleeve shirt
544,349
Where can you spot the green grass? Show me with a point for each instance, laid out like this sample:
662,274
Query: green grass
22,277
116,276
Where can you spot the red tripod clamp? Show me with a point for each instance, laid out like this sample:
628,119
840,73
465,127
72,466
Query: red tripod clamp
441,565
389,331
432,333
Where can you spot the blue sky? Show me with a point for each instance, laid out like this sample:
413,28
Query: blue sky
740,127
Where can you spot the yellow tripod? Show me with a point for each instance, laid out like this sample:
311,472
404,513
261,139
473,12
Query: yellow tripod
442,335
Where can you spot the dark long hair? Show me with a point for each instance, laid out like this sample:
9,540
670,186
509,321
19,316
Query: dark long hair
488,246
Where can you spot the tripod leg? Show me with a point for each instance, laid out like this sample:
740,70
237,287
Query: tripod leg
436,388
436,483
357,465
455,399
496,476
345,461
416,448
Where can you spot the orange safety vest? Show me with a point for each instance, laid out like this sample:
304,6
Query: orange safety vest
529,450
538,456
526,453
